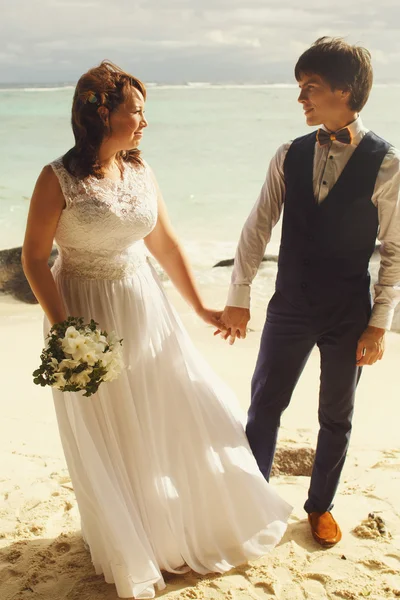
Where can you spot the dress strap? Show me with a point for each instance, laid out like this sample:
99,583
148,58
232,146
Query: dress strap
68,182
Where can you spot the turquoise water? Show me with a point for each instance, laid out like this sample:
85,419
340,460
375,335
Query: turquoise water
209,148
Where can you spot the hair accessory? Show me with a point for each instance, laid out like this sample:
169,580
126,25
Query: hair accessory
92,98
89,96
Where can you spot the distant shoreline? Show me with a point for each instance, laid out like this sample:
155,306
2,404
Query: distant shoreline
195,85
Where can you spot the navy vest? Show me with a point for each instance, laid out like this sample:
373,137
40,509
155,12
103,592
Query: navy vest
326,248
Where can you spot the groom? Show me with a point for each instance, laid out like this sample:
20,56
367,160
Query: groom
339,187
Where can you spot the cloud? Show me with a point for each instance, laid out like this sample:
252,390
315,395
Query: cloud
180,40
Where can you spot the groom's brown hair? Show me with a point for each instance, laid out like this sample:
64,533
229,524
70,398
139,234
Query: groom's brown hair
343,66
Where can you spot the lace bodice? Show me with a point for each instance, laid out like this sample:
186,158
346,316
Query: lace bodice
100,232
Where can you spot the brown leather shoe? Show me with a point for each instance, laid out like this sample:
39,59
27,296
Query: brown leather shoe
324,528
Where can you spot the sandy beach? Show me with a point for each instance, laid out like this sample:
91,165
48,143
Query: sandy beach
42,556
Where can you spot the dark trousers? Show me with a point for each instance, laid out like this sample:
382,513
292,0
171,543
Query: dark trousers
289,335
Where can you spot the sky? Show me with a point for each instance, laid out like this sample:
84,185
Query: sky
176,41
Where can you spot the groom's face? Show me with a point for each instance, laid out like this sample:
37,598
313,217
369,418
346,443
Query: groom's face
320,103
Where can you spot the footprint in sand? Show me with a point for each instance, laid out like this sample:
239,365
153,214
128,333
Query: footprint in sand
391,453
235,587
351,489
35,458
8,573
391,461
314,589
62,547
267,588
320,578
393,560
13,556
388,466
374,564
61,478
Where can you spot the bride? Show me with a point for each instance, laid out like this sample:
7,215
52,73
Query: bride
161,468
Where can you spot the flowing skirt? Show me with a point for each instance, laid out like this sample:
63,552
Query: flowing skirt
159,461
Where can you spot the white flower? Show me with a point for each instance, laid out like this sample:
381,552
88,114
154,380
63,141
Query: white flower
82,348
99,348
91,342
111,375
59,381
54,363
90,358
73,345
106,358
112,359
115,367
71,333
80,379
68,363
113,339
97,337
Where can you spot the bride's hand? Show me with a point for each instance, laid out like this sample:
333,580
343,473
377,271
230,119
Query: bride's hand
212,317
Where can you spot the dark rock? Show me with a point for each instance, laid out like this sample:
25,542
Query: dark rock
293,461
229,261
270,258
225,263
12,277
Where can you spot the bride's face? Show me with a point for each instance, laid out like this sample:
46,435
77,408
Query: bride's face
127,122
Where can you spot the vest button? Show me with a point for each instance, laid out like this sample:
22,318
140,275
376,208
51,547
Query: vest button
304,285
306,262
310,238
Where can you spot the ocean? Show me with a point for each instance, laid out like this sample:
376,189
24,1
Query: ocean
209,146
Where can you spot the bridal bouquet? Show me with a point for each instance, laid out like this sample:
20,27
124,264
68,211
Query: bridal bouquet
79,357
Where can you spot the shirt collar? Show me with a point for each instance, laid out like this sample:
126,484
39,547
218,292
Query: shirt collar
355,128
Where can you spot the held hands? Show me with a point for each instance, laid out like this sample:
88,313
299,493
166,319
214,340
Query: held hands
211,317
371,346
234,322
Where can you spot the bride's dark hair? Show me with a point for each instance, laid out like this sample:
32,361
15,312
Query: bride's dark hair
106,85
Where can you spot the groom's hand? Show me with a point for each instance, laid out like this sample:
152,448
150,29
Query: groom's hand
371,346
235,320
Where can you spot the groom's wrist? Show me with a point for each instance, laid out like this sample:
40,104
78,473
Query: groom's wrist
239,295
376,333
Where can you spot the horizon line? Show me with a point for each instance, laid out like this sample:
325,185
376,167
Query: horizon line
57,86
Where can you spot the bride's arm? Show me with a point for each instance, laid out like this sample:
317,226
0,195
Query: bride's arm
46,206
166,249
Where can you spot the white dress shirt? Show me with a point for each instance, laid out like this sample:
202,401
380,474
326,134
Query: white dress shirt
329,162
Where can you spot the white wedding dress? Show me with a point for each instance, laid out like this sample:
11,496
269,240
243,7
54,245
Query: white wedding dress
159,461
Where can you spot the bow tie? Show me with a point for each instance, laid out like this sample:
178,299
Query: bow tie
325,137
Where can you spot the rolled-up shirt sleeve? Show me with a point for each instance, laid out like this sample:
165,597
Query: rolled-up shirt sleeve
257,230
387,288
